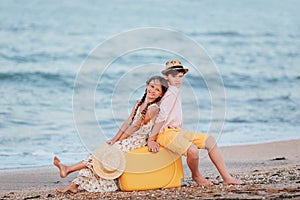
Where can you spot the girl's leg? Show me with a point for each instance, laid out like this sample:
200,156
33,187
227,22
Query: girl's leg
216,158
72,188
65,170
193,162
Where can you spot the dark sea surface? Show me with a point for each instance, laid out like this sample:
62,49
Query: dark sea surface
254,44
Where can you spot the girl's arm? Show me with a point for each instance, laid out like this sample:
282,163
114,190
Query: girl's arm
151,114
123,128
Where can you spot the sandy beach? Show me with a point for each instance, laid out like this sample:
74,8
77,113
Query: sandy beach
270,171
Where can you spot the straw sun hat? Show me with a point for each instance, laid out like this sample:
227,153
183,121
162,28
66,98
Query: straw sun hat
174,64
108,162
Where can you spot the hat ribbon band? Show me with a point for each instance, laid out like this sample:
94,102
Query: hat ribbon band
175,67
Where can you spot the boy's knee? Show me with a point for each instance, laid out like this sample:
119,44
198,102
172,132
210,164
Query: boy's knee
210,143
193,151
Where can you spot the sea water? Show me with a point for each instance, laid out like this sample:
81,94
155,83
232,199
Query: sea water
254,44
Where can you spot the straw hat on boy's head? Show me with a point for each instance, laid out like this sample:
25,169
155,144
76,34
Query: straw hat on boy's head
108,162
174,65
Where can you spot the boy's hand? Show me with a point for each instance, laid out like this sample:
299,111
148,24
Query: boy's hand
153,146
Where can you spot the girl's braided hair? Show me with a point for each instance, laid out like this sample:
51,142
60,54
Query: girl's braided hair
164,88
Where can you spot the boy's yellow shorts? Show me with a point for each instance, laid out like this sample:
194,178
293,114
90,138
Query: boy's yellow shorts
179,141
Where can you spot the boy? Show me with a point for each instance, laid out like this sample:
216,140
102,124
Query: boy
167,130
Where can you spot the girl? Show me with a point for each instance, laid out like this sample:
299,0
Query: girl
132,134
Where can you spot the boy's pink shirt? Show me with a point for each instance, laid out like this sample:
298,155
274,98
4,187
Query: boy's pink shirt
170,109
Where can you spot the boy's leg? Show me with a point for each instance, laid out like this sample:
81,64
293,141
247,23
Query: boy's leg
174,140
205,141
193,163
216,157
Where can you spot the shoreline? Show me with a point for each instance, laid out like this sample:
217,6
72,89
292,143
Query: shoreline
267,160
221,147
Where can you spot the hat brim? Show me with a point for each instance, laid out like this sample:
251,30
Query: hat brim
98,168
165,71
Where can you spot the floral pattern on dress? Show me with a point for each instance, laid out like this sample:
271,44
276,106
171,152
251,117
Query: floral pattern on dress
91,182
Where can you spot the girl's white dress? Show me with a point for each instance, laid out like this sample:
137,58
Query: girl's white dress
91,182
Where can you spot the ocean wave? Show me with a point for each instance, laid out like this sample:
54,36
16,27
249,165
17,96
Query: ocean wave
41,57
7,140
41,152
37,78
38,152
231,34
239,120
9,154
268,98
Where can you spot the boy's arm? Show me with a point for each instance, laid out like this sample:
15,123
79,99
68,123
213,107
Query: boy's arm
153,146
166,107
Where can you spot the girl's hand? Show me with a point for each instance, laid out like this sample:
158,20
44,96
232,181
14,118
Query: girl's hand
153,146
110,142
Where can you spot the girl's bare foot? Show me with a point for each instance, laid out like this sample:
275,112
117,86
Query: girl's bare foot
62,168
201,181
233,181
72,188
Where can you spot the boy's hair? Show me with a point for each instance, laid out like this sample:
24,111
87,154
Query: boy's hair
174,72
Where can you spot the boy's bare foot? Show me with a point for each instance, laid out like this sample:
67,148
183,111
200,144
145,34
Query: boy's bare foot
201,181
62,168
72,188
233,181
